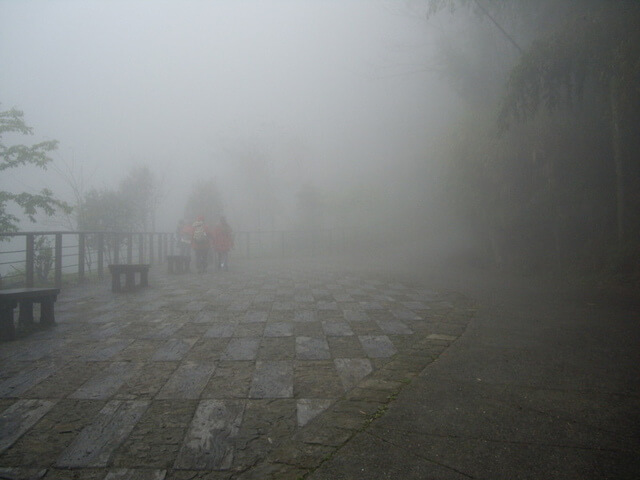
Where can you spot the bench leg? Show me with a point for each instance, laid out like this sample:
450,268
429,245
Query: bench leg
144,278
130,280
115,282
7,329
25,317
46,312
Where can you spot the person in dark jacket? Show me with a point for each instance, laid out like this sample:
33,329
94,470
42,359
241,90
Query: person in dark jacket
183,238
201,237
222,243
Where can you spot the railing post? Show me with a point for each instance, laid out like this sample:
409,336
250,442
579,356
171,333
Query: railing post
81,243
141,248
101,255
163,257
116,248
151,249
29,260
58,265
130,248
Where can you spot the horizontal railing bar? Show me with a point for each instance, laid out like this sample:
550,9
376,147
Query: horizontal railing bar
13,263
77,232
97,248
13,251
123,233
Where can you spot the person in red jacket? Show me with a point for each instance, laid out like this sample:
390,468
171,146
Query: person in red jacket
222,243
201,237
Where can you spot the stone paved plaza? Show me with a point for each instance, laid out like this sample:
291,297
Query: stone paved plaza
260,372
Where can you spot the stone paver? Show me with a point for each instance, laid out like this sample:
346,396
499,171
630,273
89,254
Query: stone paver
253,373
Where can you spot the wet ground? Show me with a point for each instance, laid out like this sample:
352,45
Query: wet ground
260,372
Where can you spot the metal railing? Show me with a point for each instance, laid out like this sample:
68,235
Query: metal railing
53,257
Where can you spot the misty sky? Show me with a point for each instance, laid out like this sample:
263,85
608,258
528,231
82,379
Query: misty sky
322,88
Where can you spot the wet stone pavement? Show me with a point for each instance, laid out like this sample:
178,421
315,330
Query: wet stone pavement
260,372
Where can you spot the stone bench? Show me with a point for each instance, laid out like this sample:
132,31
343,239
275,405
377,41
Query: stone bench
129,271
25,297
178,263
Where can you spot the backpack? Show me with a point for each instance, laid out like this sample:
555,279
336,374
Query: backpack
199,233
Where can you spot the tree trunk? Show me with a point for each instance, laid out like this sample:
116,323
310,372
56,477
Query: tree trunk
616,142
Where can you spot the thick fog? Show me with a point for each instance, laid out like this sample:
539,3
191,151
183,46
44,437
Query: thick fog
260,96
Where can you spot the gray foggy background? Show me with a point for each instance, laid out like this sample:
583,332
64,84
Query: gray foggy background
330,94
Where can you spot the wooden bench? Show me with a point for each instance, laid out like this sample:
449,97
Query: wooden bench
178,263
25,297
129,271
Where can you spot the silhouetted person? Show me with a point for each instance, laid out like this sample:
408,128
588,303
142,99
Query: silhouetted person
183,238
222,243
201,238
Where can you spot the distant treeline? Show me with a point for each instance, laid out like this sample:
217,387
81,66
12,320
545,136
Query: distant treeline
545,167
